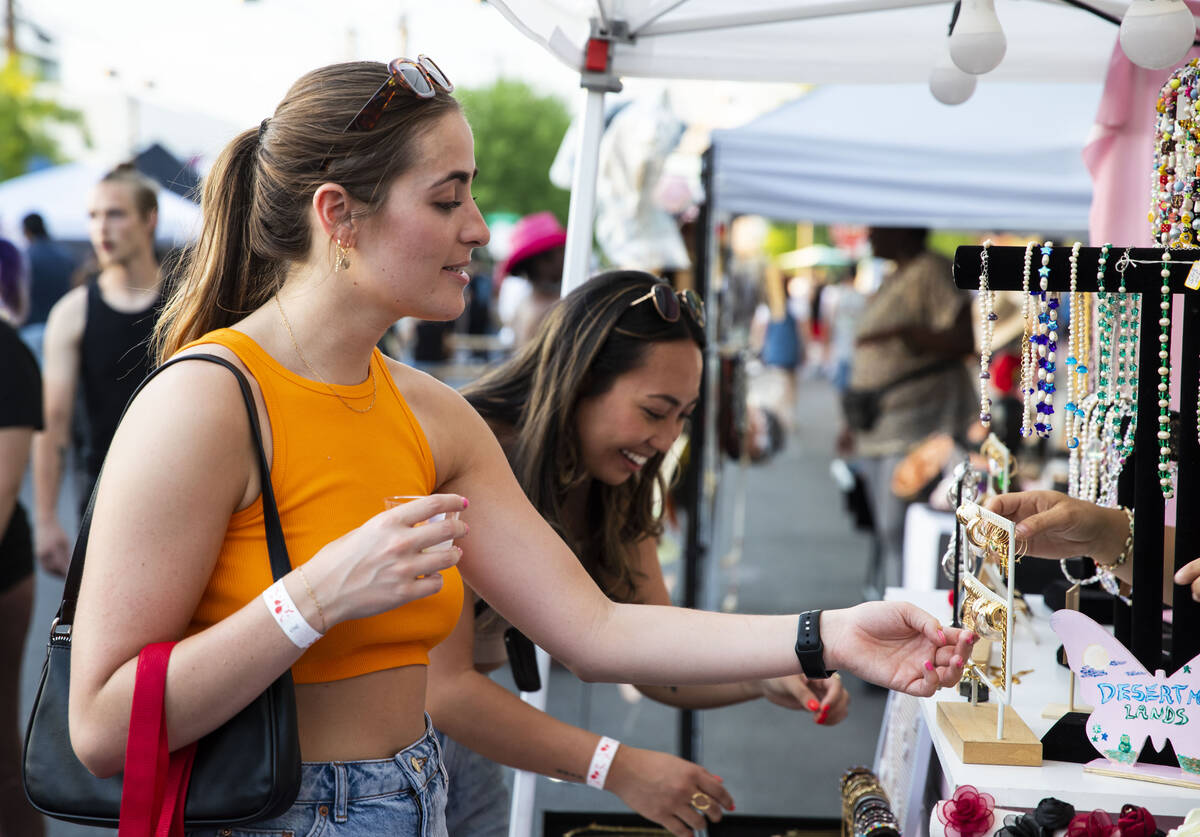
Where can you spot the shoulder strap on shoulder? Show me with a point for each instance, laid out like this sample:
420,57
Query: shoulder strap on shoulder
276,546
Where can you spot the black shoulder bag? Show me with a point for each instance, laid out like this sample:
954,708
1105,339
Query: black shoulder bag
245,770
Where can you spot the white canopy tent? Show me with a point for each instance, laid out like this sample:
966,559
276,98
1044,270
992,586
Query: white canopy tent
1009,158
60,195
816,41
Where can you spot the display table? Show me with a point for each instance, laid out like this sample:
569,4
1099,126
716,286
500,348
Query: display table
1023,787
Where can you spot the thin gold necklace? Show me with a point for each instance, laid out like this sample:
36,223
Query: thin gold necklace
317,375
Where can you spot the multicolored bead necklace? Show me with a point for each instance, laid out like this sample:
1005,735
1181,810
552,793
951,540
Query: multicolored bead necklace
1175,187
1046,341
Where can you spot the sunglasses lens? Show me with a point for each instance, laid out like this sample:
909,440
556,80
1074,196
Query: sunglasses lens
695,306
435,72
666,302
416,80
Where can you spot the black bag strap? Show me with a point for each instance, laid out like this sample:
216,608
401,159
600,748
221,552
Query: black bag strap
281,565
921,372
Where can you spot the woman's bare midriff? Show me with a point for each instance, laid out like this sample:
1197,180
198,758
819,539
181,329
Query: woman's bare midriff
373,716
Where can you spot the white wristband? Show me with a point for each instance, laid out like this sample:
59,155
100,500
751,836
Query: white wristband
602,759
293,623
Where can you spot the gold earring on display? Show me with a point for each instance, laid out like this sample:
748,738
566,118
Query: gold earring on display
341,259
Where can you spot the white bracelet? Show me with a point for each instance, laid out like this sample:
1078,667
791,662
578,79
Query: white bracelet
293,623
602,759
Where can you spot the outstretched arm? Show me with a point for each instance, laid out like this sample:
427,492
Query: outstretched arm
826,699
525,571
480,714
1054,525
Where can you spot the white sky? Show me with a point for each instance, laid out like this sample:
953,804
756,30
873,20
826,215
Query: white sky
232,61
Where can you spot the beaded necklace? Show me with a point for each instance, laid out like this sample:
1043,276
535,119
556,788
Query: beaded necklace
1129,320
1047,344
1164,380
1028,349
1174,201
987,328
1077,383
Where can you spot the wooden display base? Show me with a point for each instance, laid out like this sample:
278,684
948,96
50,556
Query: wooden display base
1156,773
971,731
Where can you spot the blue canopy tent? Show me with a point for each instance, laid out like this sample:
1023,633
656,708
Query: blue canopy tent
891,155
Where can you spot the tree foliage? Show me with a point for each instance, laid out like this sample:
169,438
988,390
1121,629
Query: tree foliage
517,134
26,118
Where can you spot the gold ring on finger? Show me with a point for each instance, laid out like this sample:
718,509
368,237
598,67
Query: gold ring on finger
701,801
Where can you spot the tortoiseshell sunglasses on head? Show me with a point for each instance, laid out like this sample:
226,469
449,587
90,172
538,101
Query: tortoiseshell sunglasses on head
420,77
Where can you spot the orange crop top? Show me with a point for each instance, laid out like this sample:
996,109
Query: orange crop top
331,469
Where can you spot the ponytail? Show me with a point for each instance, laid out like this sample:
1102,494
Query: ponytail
221,281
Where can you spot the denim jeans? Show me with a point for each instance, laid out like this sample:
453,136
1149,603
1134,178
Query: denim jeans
404,795
478,803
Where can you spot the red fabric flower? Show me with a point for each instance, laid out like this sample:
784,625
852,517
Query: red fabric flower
1095,824
968,813
1136,821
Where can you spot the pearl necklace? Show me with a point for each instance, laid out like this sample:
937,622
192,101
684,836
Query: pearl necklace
1077,383
987,329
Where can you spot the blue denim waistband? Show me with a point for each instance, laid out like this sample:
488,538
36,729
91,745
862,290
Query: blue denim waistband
340,782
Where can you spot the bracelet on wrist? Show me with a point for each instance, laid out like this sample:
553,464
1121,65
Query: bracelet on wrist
602,759
1104,572
288,617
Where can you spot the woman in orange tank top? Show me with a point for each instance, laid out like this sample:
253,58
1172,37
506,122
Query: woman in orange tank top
346,210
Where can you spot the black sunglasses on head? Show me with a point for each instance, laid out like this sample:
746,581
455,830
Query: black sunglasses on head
667,303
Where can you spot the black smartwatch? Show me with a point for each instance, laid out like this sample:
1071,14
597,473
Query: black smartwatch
809,650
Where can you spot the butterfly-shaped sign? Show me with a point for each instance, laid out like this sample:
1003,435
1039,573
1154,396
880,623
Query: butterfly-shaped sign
1131,704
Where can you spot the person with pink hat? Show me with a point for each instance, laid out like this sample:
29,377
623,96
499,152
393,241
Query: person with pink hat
538,244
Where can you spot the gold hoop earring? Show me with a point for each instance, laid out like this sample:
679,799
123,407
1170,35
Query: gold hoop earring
341,259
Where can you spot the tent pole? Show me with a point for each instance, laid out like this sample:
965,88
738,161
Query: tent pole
583,193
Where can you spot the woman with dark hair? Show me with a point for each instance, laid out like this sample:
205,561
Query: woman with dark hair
346,210
586,413
20,417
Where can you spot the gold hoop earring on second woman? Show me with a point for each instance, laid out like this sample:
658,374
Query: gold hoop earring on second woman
341,259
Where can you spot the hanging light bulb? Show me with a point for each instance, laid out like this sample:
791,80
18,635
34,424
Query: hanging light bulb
948,84
977,44
1157,34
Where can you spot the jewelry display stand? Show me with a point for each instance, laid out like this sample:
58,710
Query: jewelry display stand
1139,626
989,733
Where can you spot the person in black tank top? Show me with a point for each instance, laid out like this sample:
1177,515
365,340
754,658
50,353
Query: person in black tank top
114,358
97,342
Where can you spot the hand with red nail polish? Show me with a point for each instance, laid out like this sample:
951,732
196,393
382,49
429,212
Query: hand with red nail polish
798,692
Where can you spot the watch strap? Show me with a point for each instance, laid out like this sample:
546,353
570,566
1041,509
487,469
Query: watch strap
810,651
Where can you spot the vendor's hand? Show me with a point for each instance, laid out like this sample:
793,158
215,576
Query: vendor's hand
826,699
667,789
1190,574
896,645
1052,525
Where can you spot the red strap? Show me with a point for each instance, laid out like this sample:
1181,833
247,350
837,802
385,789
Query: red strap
155,784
